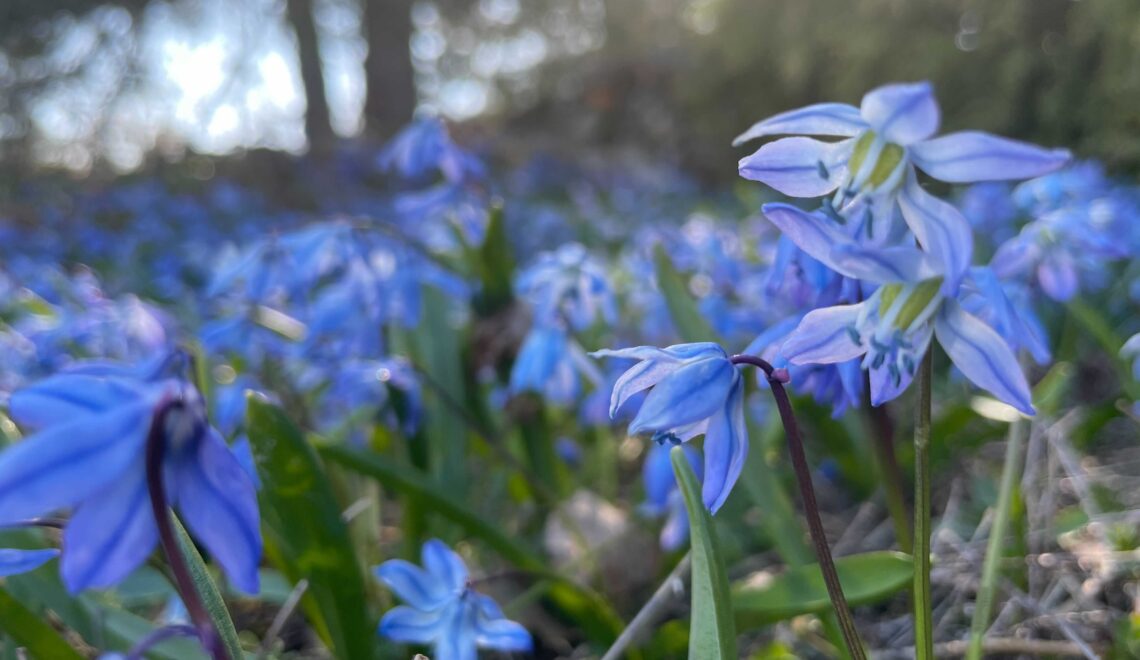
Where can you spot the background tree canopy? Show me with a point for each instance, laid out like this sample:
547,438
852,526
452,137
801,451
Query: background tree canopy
85,84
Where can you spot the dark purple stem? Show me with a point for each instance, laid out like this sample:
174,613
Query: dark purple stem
776,379
183,581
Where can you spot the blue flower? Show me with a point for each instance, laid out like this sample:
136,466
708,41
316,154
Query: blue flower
423,147
696,390
887,137
1131,351
550,363
88,454
443,610
14,562
662,495
893,327
568,285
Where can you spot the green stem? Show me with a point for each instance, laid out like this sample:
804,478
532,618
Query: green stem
985,603
884,433
923,607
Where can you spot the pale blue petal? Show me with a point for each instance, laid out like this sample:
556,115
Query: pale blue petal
674,353
14,562
657,473
971,156
111,534
885,386
68,463
444,565
64,397
798,166
689,395
902,113
637,378
813,233
458,640
1058,276
982,355
218,502
942,231
726,448
405,624
825,336
412,584
882,265
493,631
819,119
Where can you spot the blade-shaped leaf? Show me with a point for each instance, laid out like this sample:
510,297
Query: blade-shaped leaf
712,634
32,632
208,591
866,578
691,325
306,538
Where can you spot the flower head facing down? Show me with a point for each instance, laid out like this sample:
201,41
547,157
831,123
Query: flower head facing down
695,390
441,608
88,454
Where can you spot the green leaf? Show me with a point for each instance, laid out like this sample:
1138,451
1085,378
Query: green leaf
866,578
494,262
208,591
306,538
32,632
711,634
597,619
691,325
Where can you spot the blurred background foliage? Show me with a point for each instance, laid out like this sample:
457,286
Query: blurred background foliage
116,85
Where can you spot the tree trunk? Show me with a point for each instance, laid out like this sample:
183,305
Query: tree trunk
318,127
391,98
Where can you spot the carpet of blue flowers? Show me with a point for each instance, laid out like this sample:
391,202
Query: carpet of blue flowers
437,401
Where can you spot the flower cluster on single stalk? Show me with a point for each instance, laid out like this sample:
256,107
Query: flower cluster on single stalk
914,274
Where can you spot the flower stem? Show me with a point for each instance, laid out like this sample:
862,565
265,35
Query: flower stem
777,378
923,612
184,582
985,601
884,433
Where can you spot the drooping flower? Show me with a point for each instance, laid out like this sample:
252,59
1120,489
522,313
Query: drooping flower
893,327
696,390
88,453
442,609
889,135
423,147
552,363
568,285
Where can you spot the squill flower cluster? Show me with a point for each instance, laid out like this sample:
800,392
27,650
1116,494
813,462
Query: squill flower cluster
914,273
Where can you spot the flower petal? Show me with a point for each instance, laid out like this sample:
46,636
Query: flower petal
218,502
726,447
68,463
882,265
14,562
638,378
444,565
405,624
941,230
818,119
971,156
982,355
688,395
493,631
111,534
902,113
825,336
412,584
798,166
63,397
1058,276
